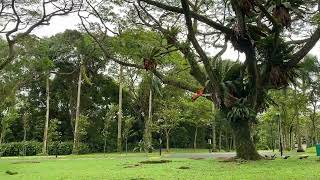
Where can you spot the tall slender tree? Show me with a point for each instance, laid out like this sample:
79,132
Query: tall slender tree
147,128
119,137
25,128
76,123
46,126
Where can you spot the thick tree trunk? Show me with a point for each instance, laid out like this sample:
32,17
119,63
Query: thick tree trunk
220,139
104,146
168,141
272,137
315,133
195,138
147,131
245,147
214,142
300,148
25,124
71,113
280,135
2,133
314,128
119,138
284,140
234,141
76,123
226,142
126,145
231,142
290,137
46,126
299,138
288,147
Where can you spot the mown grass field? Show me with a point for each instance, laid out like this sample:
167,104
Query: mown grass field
116,166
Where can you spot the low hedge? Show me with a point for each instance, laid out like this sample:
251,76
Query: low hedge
65,148
29,148
32,148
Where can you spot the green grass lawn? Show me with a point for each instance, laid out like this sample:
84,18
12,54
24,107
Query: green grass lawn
116,166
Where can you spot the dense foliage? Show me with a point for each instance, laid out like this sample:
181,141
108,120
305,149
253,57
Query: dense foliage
147,74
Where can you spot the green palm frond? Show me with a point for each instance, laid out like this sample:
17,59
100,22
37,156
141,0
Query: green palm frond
240,111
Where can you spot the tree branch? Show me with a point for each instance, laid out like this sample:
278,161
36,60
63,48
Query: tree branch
171,81
212,86
45,18
222,51
305,49
196,71
300,41
106,54
267,14
194,15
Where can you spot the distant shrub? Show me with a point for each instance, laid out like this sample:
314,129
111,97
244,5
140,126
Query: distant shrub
32,148
29,148
65,148
57,148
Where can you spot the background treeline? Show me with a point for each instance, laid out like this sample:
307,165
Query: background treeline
149,109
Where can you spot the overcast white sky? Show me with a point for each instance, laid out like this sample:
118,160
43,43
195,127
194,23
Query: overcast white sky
60,24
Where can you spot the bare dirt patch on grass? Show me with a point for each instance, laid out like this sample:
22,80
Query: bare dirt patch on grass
184,167
26,162
132,165
226,159
196,158
155,161
11,172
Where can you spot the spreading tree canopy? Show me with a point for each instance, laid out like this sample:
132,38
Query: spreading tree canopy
264,31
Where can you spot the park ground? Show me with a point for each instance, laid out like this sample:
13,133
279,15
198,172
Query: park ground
182,164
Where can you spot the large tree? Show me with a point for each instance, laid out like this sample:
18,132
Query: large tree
256,28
